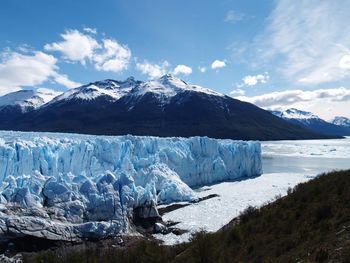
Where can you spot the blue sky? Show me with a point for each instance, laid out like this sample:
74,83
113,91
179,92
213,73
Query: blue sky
276,54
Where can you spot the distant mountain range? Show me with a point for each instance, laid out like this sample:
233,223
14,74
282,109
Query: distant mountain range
167,106
341,121
26,100
339,126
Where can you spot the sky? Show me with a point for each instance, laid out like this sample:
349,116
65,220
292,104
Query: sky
275,54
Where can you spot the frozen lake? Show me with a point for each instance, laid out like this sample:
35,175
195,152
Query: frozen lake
285,164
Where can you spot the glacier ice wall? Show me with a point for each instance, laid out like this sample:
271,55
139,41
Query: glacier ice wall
92,184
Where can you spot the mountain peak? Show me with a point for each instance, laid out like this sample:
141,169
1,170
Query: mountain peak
16,97
168,76
130,79
109,88
169,85
313,122
27,98
294,113
341,121
172,79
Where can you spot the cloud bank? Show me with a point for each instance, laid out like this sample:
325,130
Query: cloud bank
325,102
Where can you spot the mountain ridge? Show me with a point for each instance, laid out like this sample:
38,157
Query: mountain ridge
312,122
165,107
341,121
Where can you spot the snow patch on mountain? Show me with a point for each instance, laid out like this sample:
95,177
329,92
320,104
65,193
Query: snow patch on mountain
312,122
341,121
303,117
26,99
169,86
69,186
295,114
112,89
163,88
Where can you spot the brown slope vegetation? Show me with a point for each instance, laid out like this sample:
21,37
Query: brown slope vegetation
311,224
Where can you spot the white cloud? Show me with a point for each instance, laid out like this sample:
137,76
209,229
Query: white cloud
50,92
113,57
157,70
218,64
307,38
253,80
19,70
90,30
106,54
75,46
5,90
65,81
233,16
325,102
153,70
182,69
250,80
202,69
344,62
289,97
237,92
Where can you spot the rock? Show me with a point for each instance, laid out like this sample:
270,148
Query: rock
27,226
147,211
160,228
15,259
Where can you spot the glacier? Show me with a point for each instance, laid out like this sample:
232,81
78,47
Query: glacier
70,186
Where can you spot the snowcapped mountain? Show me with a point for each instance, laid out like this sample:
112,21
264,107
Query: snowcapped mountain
312,122
341,121
168,86
302,116
15,105
163,89
167,106
110,89
27,99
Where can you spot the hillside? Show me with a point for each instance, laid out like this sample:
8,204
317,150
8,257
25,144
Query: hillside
311,224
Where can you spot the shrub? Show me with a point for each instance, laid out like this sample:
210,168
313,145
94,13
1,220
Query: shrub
321,254
247,213
234,235
323,211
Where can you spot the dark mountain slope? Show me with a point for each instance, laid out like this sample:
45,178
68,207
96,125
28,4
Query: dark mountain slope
164,107
187,114
312,122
